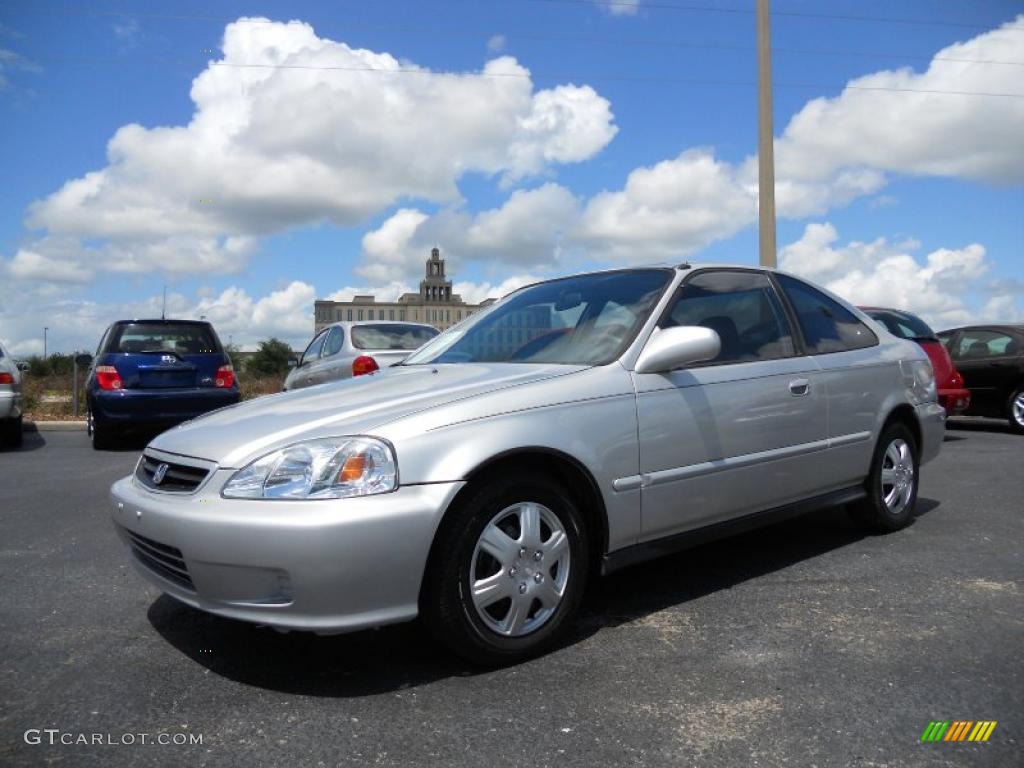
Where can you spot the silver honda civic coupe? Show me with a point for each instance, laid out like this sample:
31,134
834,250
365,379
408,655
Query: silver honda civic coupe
577,426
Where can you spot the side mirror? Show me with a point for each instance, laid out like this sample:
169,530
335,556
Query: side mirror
84,360
23,366
671,348
294,362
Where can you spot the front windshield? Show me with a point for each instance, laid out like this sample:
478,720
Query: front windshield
586,320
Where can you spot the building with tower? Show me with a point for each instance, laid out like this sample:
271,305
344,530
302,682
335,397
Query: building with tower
435,303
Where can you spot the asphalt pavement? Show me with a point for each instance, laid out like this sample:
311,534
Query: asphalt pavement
805,644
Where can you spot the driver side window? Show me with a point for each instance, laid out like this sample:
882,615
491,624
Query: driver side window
742,308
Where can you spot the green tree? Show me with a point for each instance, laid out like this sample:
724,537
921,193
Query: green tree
38,366
270,359
60,364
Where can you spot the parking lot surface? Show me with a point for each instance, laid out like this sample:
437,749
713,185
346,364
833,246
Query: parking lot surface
802,644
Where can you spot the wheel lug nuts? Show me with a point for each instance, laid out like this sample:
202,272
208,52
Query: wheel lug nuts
538,578
511,573
538,555
522,551
522,588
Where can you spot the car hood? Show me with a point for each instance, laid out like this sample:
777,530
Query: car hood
236,435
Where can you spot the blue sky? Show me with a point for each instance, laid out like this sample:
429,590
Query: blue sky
598,134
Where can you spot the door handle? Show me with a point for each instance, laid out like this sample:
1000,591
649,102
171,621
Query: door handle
799,387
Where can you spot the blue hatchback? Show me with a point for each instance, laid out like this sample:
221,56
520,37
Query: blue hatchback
154,374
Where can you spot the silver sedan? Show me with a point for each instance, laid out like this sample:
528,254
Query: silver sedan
577,426
347,349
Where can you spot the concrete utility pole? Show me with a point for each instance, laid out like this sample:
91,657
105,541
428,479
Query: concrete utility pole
766,137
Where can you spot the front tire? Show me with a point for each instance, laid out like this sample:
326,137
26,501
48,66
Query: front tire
892,482
507,571
1015,411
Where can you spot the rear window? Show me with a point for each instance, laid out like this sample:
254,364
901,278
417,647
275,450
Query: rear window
391,336
178,338
903,324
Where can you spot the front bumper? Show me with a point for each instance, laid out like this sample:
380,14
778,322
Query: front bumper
932,419
159,406
327,566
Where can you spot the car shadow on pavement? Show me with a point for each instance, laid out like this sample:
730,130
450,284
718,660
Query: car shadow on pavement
977,424
405,656
30,441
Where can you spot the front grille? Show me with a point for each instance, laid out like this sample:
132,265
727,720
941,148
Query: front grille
178,478
163,560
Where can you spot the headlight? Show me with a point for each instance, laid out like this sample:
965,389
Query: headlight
330,468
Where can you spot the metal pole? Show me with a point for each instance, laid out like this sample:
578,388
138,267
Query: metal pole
765,143
74,386
44,342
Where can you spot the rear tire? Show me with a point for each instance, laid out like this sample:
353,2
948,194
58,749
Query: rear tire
892,482
102,435
507,571
11,433
1015,411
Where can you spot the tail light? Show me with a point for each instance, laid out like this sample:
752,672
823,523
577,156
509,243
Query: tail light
108,377
364,364
6,378
225,376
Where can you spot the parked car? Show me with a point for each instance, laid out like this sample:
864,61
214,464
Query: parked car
10,400
991,359
482,487
347,349
156,373
953,395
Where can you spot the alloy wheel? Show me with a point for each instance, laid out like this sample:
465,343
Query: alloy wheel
1018,409
897,476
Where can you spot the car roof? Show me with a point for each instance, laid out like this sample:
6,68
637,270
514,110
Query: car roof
352,323
163,321
1013,327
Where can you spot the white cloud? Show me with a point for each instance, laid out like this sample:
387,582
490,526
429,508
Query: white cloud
496,43
291,129
286,313
619,7
911,131
885,274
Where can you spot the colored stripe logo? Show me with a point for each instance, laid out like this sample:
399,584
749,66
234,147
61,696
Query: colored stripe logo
958,730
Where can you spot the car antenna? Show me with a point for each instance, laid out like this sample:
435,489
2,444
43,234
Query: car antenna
163,312
684,265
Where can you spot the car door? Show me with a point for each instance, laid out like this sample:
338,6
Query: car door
856,377
333,365
306,371
987,361
729,437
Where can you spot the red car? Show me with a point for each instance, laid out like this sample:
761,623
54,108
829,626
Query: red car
953,396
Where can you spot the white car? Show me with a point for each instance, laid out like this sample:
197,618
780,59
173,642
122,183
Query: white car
10,400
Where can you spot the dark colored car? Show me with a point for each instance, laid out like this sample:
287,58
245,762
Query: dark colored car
155,374
991,359
953,395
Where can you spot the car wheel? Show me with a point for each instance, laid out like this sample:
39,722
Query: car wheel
507,571
892,483
102,435
11,433
1015,410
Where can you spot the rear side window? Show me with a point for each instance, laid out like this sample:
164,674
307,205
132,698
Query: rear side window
827,325
974,344
181,339
903,325
742,308
335,341
391,336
